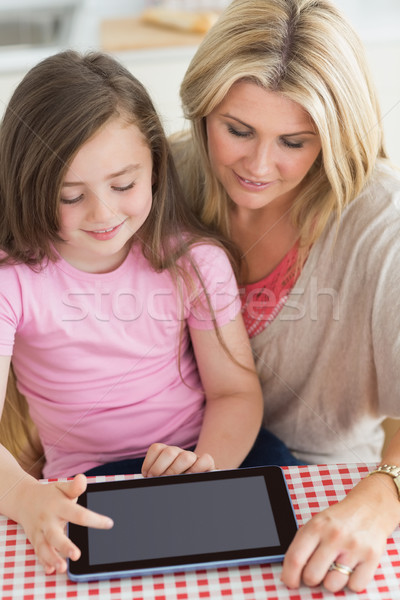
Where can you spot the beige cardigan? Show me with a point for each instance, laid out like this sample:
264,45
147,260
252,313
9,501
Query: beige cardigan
330,361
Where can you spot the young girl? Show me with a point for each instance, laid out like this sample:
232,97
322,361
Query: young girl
108,293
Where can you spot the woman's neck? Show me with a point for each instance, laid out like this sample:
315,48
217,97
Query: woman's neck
264,237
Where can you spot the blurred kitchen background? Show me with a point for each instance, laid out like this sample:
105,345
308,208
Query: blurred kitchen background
33,29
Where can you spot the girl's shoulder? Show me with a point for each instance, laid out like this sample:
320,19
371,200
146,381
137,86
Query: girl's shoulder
208,254
9,266
17,286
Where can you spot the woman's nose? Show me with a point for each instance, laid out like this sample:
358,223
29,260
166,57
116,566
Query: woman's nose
260,160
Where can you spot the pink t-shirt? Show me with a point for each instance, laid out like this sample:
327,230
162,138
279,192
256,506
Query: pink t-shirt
96,355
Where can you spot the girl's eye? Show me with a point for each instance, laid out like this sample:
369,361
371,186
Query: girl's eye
71,200
123,188
289,144
242,134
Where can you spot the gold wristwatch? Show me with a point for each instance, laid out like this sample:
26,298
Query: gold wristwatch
393,471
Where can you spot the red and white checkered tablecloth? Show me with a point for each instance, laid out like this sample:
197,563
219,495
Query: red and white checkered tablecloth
312,488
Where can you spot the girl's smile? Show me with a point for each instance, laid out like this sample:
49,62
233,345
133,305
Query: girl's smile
106,234
106,197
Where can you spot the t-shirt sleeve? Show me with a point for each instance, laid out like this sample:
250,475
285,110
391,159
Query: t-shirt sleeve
10,308
212,296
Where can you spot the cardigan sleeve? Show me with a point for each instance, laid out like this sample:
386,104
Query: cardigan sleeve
385,318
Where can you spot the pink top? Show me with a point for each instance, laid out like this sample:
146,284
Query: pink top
262,301
96,355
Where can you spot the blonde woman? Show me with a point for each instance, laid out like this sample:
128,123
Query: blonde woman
286,160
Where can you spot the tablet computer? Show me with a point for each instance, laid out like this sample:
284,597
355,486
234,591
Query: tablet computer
184,522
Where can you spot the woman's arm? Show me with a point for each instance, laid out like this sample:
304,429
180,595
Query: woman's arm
233,411
352,532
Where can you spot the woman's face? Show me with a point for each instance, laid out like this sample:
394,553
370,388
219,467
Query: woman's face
261,146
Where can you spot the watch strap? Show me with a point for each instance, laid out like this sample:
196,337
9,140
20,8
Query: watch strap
391,470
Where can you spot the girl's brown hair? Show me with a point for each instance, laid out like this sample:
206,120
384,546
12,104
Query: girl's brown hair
59,105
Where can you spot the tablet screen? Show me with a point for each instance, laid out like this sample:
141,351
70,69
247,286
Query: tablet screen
184,520
237,516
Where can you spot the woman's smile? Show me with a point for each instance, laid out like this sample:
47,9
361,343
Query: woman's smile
254,185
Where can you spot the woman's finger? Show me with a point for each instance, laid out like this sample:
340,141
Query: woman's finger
304,544
363,574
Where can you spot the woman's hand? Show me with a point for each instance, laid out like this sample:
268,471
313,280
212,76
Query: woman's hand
352,532
171,460
44,511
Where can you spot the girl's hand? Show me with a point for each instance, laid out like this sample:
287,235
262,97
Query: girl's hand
171,460
44,512
352,532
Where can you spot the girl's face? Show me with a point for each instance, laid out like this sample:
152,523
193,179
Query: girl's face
106,196
261,145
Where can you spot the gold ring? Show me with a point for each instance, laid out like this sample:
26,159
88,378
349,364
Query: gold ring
335,566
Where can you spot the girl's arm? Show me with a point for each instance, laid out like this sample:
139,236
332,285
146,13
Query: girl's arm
234,401
42,509
234,406
352,532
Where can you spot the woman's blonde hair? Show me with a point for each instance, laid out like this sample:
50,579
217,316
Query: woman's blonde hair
306,51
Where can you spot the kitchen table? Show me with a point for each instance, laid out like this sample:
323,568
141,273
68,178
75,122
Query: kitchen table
312,488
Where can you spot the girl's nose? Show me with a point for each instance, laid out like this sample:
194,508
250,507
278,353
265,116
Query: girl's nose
101,211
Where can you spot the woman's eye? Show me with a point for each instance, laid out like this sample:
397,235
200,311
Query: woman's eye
123,188
242,134
71,200
290,144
